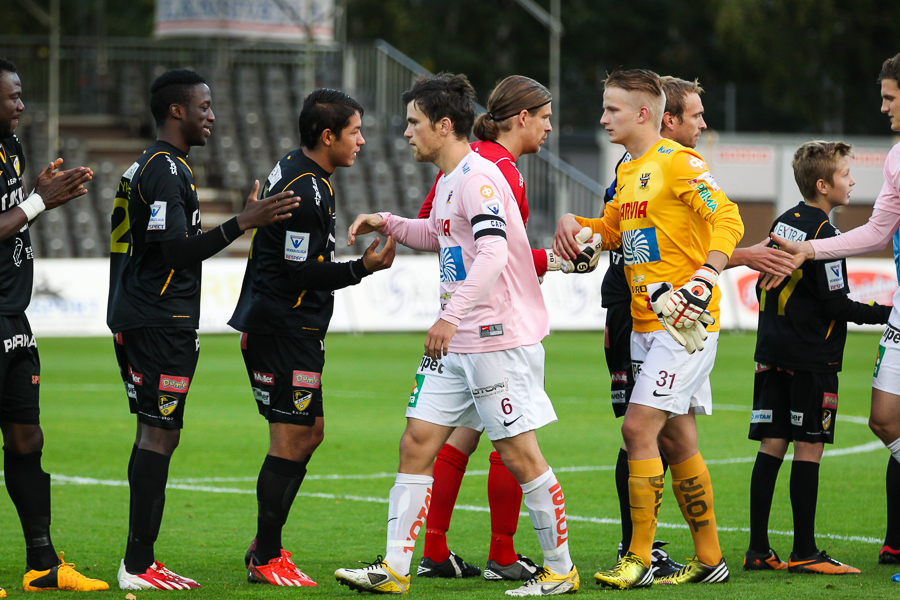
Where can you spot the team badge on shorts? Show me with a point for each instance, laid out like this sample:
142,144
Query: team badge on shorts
167,405
302,398
826,420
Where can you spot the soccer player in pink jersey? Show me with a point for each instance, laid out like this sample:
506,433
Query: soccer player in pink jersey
484,362
874,235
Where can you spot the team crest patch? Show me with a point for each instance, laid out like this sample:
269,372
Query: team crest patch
170,383
307,379
645,179
167,405
16,166
835,274
414,395
296,245
826,420
640,246
493,207
157,220
302,398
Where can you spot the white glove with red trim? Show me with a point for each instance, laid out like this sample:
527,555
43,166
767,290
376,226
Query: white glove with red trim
685,306
691,338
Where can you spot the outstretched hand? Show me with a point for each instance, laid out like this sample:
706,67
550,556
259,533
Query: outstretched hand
800,252
362,225
259,213
57,188
564,242
376,261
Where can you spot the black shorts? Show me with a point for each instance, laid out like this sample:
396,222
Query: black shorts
157,365
617,346
286,377
800,406
20,372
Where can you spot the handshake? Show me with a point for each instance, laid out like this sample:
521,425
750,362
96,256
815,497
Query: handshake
587,258
683,312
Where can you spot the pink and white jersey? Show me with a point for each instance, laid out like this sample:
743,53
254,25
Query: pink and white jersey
488,288
877,231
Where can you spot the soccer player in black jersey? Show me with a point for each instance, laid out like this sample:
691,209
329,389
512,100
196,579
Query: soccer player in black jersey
156,249
799,348
20,368
284,309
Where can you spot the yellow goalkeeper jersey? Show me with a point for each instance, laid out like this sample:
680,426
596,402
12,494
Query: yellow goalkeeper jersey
667,214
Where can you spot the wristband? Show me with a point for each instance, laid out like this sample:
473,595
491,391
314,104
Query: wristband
33,205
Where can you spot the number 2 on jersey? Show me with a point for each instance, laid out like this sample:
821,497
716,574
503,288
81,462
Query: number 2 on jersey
120,240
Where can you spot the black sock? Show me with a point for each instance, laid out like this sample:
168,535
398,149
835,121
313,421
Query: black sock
624,503
29,489
762,490
892,484
277,486
134,450
804,495
149,471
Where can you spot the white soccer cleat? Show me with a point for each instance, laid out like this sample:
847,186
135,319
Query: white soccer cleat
377,578
157,577
548,583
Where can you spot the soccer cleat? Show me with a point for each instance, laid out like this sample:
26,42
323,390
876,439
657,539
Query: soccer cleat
521,570
757,561
696,572
249,553
280,571
888,556
548,583
156,577
61,577
662,564
2,593
629,572
377,578
821,564
452,568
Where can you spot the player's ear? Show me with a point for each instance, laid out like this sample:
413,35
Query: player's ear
445,126
822,186
668,121
176,111
327,137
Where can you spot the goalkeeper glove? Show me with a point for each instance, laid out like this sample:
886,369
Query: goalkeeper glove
589,254
685,306
691,337
556,263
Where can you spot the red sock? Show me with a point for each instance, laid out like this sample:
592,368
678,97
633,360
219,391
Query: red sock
449,468
505,500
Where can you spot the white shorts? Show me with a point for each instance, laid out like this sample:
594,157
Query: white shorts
667,377
500,392
887,365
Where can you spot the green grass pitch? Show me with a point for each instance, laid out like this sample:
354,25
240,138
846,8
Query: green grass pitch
339,516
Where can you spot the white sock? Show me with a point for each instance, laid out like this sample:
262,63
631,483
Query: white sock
894,447
408,505
547,506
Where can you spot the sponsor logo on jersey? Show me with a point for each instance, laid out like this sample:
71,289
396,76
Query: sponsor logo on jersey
796,418
169,383
466,168
830,401
664,150
490,390
35,380
296,245
891,336
261,396
834,271
443,227
826,420
705,194
167,404
761,367
131,171
618,397
633,210
307,379
318,194
417,387
491,330
302,398
452,266
878,360
640,246
157,220
265,378
17,166
636,278
136,378
429,364
21,340
130,391
636,368
791,234
761,416
173,168
697,163
619,377
275,175
487,191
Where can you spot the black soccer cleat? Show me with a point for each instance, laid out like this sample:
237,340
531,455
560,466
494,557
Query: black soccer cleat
452,568
521,570
888,556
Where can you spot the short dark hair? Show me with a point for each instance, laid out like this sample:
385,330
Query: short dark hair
890,69
445,95
817,160
6,66
325,109
677,92
172,87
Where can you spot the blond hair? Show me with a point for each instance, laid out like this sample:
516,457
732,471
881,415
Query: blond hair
644,82
817,160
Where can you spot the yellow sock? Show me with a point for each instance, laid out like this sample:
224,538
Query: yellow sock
693,488
646,480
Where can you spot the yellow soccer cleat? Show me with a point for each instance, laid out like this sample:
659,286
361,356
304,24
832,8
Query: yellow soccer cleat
377,578
548,583
61,577
696,572
630,572
2,593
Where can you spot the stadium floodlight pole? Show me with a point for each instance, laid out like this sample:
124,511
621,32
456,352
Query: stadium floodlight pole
552,21
51,21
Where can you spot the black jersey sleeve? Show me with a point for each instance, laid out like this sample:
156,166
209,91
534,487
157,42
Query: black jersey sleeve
842,308
161,187
182,252
310,226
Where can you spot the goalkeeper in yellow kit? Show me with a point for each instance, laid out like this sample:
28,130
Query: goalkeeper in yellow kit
677,230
